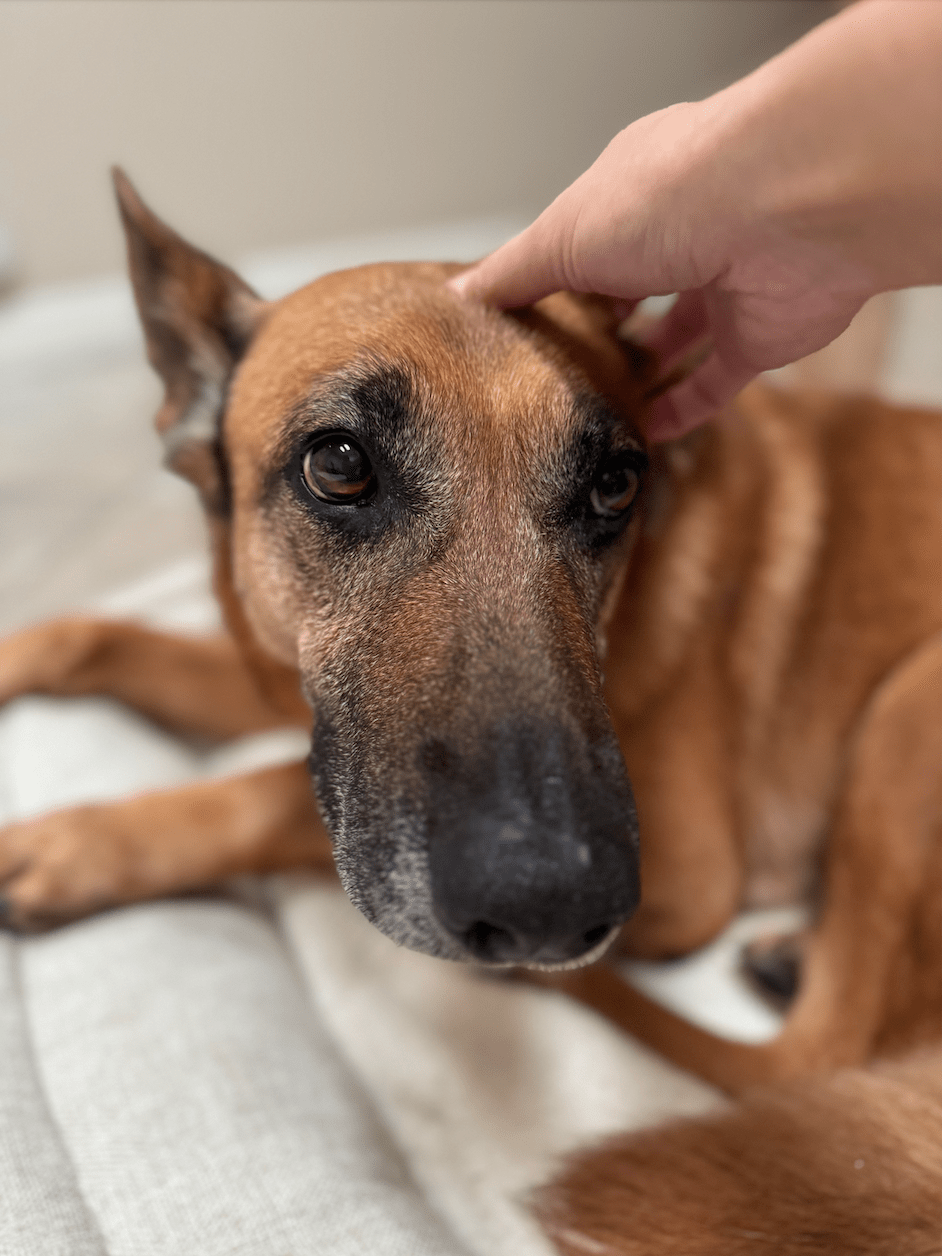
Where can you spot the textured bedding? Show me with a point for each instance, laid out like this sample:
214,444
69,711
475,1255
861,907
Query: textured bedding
259,1070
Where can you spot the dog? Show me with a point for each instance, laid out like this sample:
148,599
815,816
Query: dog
442,544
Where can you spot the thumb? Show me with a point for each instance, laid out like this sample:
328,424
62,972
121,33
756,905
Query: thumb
696,399
521,271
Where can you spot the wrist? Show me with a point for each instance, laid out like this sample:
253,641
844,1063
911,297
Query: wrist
837,146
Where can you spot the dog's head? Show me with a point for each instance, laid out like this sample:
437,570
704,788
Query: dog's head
429,506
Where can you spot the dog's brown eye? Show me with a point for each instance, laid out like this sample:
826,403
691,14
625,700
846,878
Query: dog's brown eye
337,470
615,488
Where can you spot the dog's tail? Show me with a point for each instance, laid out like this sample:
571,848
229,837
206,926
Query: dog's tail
848,1165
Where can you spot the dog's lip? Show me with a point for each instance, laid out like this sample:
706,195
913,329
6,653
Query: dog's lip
559,966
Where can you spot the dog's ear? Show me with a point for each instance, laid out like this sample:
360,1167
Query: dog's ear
608,314
198,318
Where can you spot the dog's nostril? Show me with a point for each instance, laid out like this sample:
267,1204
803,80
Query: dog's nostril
487,941
592,937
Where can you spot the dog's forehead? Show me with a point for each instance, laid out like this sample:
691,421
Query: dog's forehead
499,372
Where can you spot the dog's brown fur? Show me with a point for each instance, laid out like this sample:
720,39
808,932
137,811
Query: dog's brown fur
848,1165
775,675
771,626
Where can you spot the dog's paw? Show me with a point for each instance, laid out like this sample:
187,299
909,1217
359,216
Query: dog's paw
61,866
41,659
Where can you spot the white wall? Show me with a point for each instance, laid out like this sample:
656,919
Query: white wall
256,123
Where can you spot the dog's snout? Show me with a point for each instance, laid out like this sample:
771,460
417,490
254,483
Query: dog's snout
537,863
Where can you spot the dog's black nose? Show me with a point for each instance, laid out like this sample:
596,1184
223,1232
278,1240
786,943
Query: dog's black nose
535,861
517,893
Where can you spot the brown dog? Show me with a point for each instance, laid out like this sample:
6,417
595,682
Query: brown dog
430,521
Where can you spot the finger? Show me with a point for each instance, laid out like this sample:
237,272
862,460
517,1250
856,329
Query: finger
622,309
683,324
520,272
700,397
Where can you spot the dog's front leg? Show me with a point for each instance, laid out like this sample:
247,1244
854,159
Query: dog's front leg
72,862
192,685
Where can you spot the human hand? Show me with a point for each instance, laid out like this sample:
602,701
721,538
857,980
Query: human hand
654,215
775,208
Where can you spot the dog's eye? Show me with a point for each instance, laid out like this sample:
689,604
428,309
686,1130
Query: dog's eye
337,470
615,487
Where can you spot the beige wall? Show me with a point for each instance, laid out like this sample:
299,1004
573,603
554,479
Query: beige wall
254,123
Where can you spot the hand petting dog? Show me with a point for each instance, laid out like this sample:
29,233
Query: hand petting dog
776,207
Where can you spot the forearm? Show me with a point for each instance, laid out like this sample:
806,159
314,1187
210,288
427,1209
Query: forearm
838,140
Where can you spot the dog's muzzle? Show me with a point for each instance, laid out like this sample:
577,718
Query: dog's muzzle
535,860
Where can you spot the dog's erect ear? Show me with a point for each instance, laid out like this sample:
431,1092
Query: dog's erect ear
198,319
